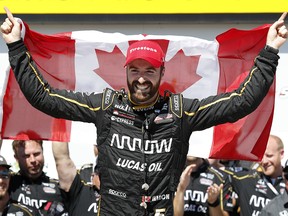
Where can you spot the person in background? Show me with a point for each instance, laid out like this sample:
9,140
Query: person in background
256,188
278,206
240,165
31,186
80,197
230,198
200,190
7,205
132,127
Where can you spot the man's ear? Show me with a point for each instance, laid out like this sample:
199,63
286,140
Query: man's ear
282,153
162,71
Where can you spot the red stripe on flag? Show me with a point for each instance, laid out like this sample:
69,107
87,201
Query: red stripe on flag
246,138
49,52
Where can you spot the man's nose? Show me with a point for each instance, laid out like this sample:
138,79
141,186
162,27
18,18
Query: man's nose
32,158
263,161
141,79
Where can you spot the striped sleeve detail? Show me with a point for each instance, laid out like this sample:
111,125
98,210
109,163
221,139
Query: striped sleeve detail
224,98
57,95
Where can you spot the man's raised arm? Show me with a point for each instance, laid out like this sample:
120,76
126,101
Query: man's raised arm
65,166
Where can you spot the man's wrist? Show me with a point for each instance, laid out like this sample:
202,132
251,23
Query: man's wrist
214,204
271,49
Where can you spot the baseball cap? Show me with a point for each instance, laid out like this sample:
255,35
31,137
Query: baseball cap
3,162
147,50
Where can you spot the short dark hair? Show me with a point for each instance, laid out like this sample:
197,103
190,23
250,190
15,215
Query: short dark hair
16,144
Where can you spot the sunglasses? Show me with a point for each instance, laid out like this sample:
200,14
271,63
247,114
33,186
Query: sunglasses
4,174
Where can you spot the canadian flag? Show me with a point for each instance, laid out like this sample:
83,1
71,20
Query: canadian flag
89,61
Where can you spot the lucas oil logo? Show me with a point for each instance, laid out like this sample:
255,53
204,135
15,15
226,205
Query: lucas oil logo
136,165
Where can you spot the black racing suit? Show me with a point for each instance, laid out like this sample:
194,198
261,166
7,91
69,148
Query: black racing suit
41,196
142,150
14,208
255,190
82,198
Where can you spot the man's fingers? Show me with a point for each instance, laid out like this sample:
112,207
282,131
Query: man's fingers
5,28
282,31
9,15
283,16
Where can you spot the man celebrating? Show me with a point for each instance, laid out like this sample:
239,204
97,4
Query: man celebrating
256,188
142,136
278,205
7,205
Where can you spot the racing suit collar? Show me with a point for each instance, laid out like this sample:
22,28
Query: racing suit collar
143,107
277,180
38,180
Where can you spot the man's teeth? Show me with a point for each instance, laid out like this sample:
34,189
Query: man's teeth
142,87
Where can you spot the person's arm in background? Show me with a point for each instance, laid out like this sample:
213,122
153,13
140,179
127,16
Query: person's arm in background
214,200
95,148
65,166
178,202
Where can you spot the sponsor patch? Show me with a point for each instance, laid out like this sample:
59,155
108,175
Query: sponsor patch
123,114
49,190
205,181
163,118
160,212
117,193
122,120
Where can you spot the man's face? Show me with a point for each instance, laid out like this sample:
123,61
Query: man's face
4,181
271,162
143,82
30,159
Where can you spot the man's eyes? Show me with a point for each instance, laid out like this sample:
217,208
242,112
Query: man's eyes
134,71
150,71
147,71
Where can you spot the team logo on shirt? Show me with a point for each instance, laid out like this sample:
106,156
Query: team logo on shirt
123,107
135,144
261,186
122,120
205,181
258,201
51,185
49,190
123,114
26,188
160,212
207,175
117,193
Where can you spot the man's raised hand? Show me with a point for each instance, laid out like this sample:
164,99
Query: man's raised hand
277,34
10,28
